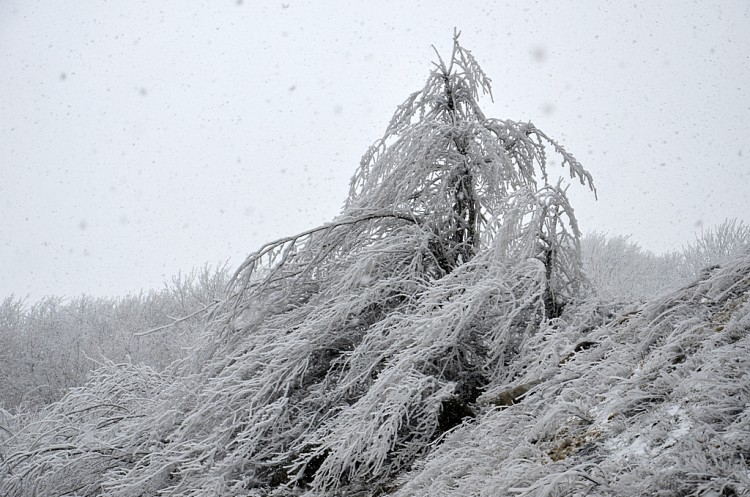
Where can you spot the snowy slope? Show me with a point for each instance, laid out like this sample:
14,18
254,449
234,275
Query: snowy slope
643,400
657,403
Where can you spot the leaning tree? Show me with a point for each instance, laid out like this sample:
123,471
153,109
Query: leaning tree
343,353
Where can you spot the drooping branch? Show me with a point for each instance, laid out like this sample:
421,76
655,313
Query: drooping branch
274,255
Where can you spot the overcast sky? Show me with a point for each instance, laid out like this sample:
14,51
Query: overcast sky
138,139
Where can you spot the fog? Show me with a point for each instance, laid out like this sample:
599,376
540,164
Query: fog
142,139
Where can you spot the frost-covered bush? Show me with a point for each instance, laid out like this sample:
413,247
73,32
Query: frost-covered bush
341,355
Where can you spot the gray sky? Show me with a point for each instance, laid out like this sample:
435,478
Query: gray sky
138,139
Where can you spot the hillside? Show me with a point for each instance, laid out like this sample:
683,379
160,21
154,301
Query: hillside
649,399
652,399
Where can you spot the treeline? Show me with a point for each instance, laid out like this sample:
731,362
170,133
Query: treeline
51,345
619,269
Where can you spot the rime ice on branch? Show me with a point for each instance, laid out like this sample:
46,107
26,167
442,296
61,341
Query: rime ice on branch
461,178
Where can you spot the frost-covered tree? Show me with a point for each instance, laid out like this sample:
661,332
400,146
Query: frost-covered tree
47,347
343,353
619,269
452,171
714,246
